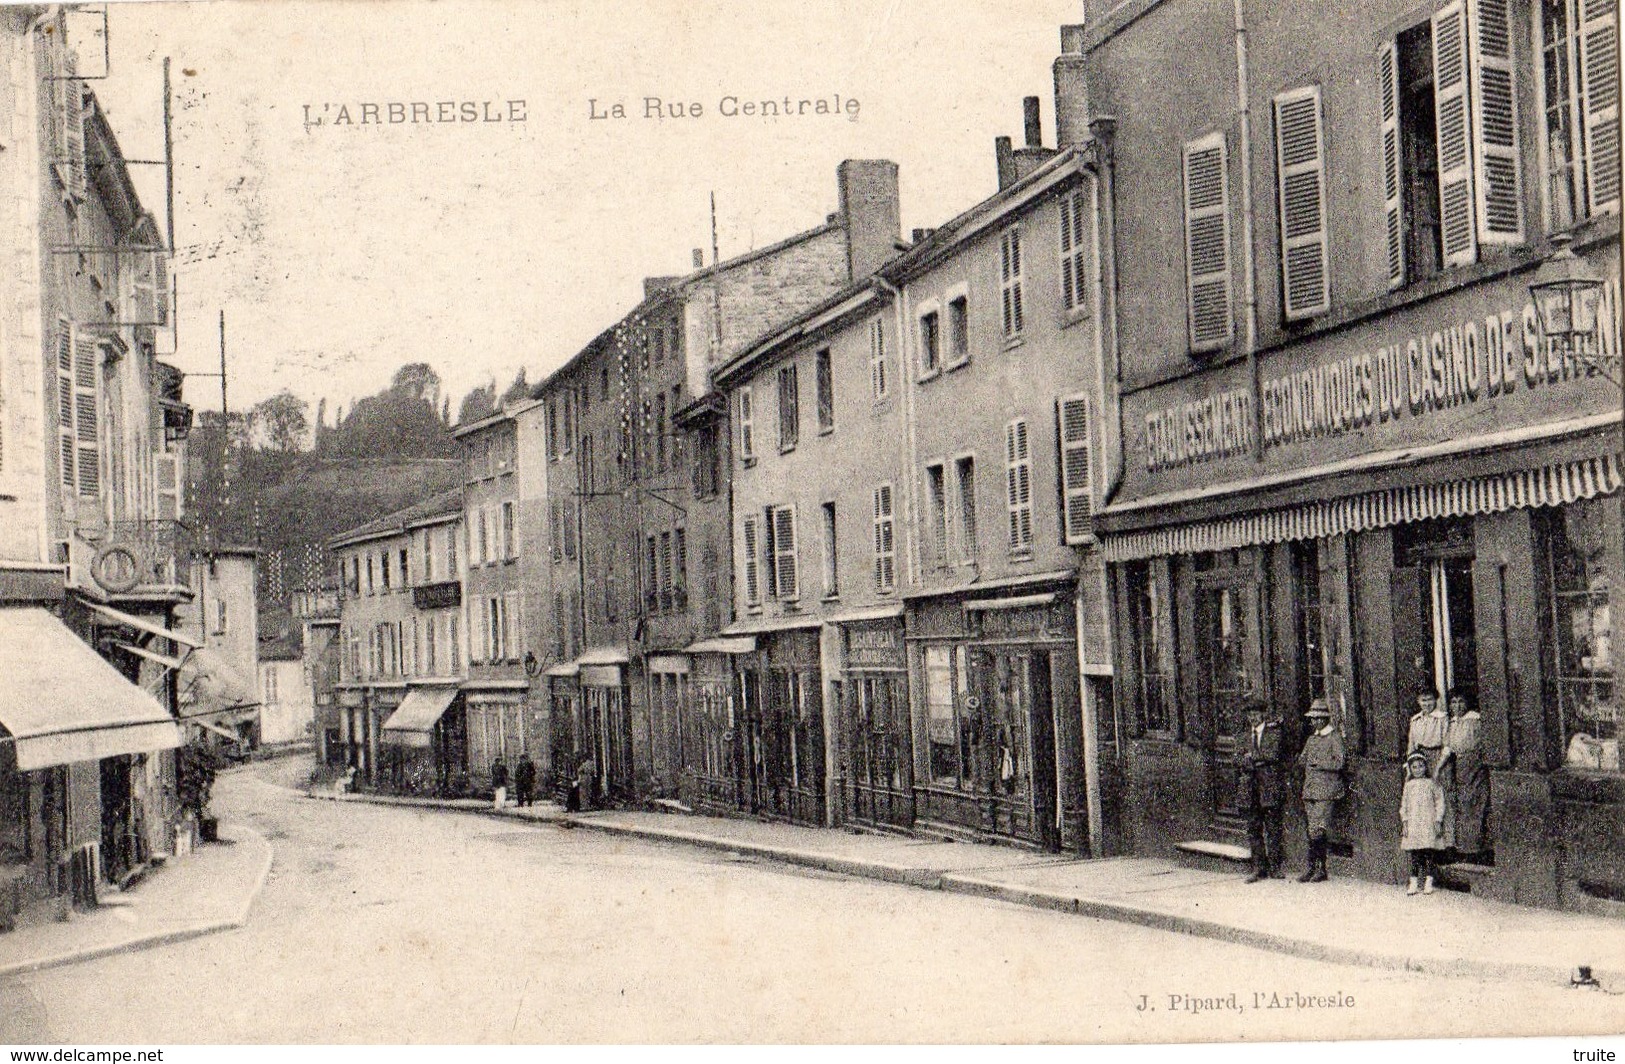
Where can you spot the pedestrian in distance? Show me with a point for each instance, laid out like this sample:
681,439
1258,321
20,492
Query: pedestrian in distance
524,780
499,783
587,782
1421,818
1323,786
1263,788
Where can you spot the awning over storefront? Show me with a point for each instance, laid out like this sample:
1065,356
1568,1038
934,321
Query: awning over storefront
71,705
604,656
1010,602
1550,485
142,624
415,718
563,669
738,644
667,663
763,625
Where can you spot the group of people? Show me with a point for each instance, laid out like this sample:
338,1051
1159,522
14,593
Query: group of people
1444,806
524,781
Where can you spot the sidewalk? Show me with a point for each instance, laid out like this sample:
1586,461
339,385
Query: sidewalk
1344,921
211,889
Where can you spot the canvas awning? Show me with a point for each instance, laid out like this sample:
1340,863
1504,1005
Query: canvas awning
64,703
736,644
142,624
414,719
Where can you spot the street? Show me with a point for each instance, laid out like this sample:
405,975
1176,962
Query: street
397,925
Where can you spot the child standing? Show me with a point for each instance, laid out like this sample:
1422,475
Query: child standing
1421,814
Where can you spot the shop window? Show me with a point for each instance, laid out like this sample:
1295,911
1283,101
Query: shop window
950,729
1579,56
1582,541
1152,648
1311,642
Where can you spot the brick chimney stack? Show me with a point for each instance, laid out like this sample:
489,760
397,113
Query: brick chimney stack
872,213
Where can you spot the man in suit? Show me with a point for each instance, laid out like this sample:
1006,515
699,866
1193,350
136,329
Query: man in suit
1323,786
1263,787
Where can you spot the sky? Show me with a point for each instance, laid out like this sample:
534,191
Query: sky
342,250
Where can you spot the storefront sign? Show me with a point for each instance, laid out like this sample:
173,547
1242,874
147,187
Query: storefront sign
1459,363
874,648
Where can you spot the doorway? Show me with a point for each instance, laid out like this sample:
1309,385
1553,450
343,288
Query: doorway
1435,641
1229,673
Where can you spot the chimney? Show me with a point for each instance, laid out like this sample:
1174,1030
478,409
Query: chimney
699,258
1071,91
1029,122
1006,160
871,213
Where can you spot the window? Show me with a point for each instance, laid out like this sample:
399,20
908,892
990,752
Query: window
383,565
965,476
1300,175
510,544
1311,645
78,406
431,659
219,616
406,568
553,430
1153,649
747,426
930,343
1207,243
936,490
1072,434
750,560
679,568
878,382
832,585
951,754
454,642
569,425
651,581
482,539
1450,139
789,408
665,572
958,331
707,463
1074,252
513,623
1018,466
1579,43
451,552
826,391
885,541
270,685
660,430
783,575
1010,282
567,510
370,586
1582,542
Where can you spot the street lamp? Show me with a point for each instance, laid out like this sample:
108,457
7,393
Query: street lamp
1566,291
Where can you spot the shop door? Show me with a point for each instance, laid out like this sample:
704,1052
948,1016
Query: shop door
750,770
119,841
1434,643
617,723
1018,747
1230,670
593,744
878,737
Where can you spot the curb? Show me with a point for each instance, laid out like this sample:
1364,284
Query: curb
158,938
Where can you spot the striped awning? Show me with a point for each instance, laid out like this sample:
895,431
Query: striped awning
1551,485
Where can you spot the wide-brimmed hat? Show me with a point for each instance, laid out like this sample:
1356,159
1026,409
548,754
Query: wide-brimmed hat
1319,708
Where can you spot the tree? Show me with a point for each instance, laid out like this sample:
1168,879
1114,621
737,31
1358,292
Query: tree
283,421
418,380
479,402
519,389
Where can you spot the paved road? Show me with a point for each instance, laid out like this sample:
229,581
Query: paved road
393,925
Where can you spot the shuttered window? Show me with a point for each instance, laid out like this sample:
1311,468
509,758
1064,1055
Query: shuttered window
936,491
1072,251
1072,432
885,540
1579,47
67,451
826,390
784,575
1018,465
1207,243
789,408
71,93
87,429
1392,208
750,560
747,425
1458,229
1300,168
1498,186
878,381
1010,281
1599,80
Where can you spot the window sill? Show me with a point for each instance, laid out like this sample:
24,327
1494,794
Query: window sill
836,597
787,449
1070,318
930,374
748,462
1021,554
961,364
828,430
1013,342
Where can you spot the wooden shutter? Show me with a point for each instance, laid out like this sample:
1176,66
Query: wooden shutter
1599,77
786,574
1072,251
1392,209
747,425
1018,480
877,358
1072,423
750,557
166,471
66,451
1458,231
73,134
1300,169
85,410
885,540
1010,281
1497,177
1207,242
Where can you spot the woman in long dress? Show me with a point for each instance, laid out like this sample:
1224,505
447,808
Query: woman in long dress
1471,776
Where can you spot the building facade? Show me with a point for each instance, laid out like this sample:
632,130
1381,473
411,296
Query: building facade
404,650
1353,466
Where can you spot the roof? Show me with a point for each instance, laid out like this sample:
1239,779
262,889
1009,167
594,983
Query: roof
824,314
445,504
504,412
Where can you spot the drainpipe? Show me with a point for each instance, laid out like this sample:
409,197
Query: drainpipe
1249,336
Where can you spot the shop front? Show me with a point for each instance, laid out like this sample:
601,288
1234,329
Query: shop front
499,728
418,740
604,728
876,741
563,693
996,718
714,778
1434,509
780,743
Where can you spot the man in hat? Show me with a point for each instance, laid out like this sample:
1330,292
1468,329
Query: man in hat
1262,790
1323,785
